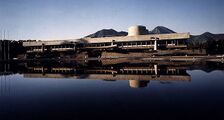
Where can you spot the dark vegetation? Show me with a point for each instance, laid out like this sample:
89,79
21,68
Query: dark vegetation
213,43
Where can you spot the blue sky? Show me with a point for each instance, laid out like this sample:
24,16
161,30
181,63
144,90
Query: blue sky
64,19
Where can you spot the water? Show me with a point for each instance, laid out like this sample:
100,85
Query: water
65,90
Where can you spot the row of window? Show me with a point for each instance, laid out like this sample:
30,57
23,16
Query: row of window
58,46
180,42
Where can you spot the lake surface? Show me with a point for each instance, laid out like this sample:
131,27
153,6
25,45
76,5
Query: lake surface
112,90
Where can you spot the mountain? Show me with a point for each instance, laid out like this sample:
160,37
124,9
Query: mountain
204,38
212,43
107,33
161,30
194,39
112,32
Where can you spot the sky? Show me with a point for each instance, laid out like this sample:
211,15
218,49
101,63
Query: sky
68,19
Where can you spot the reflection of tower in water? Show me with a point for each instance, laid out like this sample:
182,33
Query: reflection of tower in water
138,83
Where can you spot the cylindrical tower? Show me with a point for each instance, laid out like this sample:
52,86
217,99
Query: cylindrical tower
137,30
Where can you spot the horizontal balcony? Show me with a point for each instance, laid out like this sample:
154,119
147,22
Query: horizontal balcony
100,47
62,49
137,47
53,49
168,46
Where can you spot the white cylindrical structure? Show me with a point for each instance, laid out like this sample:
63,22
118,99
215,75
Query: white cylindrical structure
137,30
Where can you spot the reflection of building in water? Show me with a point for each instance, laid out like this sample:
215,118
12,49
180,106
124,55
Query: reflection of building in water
138,72
138,75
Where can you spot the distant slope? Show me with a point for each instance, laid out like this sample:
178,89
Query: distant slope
195,39
205,37
112,32
213,43
161,30
107,33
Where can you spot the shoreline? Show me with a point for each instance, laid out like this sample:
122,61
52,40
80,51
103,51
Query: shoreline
212,58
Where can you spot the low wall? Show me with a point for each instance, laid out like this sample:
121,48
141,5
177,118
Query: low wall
150,54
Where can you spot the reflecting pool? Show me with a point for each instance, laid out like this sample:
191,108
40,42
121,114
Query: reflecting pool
111,90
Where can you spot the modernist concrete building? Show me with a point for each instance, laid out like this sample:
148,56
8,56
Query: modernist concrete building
137,39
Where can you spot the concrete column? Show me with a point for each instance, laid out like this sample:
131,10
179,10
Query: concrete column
112,43
156,69
74,47
42,48
42,69
155,45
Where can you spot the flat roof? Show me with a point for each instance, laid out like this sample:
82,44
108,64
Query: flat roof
49,42
139,38
110,39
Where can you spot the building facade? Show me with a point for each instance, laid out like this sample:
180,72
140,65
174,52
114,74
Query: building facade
137,40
